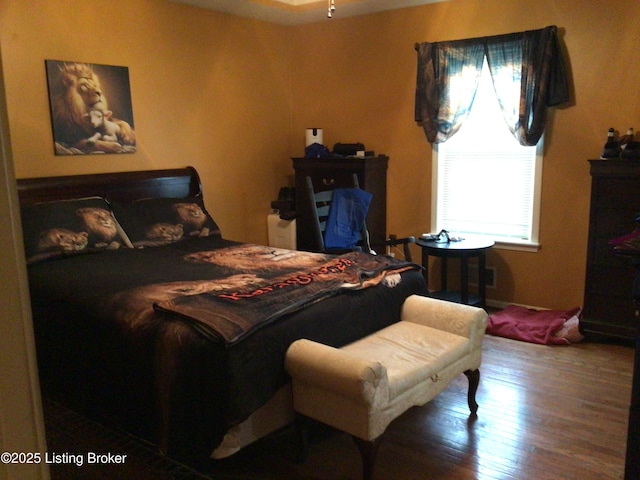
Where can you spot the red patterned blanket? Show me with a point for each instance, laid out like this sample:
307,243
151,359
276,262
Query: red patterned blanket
245,303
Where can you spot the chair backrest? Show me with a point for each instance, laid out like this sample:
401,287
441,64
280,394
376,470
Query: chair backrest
321,204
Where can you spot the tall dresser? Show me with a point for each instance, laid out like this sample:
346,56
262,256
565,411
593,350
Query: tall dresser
615,201
632,463
330,173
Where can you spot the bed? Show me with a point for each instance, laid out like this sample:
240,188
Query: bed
148,318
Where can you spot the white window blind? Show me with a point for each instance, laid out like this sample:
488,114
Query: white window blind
485,182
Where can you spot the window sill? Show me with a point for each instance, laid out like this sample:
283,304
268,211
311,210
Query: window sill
532,247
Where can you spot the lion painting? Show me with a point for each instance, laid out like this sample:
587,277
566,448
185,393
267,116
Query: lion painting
76,91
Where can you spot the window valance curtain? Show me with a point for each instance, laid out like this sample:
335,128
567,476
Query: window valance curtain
527,71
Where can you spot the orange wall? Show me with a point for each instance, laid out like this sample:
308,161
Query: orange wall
208,90
356,79
233,96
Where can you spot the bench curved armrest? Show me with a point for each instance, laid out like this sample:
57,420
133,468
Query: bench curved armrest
333,369
456,318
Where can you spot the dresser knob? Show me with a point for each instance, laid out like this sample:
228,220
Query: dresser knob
328,182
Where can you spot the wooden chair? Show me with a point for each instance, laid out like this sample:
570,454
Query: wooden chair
321,204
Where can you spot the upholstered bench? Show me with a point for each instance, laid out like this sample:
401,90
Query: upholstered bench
362,387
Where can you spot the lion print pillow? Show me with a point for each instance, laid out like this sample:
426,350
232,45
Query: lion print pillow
159,221
69,227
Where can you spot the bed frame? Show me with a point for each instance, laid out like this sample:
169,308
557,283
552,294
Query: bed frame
171,183
121,186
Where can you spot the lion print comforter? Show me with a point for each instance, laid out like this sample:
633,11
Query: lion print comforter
179,343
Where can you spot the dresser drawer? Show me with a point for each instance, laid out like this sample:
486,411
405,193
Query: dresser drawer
330,179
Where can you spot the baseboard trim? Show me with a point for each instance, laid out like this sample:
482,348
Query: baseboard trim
499,304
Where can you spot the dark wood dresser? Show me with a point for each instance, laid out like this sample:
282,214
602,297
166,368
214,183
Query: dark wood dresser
632,462
615,201
330,173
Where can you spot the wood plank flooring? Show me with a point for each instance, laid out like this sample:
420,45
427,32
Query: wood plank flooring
545,413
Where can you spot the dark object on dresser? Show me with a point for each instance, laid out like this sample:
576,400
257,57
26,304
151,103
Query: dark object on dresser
615,200
347,149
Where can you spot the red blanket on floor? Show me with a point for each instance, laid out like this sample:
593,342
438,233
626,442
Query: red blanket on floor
545,327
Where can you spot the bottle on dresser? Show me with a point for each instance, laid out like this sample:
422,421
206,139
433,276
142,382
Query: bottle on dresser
612,146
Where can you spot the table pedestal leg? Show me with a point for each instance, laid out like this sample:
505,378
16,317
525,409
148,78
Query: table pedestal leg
425,264
482,279
443,273
464,280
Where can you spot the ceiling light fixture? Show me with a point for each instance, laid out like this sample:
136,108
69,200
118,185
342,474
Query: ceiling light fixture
331,8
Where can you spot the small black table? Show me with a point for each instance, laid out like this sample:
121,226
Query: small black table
470,247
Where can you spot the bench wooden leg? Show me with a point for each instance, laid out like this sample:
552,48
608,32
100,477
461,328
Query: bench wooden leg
474,380
368,451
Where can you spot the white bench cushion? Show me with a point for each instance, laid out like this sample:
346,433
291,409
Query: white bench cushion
410,352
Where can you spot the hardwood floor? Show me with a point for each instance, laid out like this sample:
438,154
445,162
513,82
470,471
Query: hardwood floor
545,413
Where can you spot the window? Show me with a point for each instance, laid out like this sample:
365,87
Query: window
484,181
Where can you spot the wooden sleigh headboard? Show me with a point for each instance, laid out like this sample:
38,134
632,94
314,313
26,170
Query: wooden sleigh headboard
120,186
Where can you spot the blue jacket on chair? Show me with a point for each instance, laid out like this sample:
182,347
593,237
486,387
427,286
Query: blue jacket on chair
348,211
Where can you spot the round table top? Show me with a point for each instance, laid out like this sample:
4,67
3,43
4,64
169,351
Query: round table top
467,245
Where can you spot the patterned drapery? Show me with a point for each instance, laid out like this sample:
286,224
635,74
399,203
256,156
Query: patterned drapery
526,68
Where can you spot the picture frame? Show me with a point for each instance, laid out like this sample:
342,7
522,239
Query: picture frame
91,108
